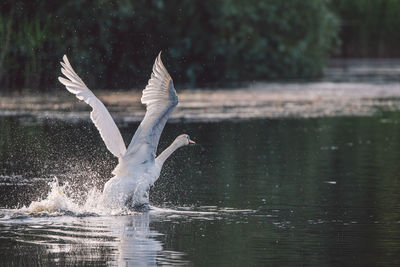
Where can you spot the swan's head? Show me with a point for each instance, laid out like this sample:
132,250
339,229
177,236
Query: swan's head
184,140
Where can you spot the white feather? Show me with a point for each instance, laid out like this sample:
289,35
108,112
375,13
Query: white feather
99,115
138,168
160,99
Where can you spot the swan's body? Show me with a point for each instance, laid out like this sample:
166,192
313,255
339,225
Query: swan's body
138,167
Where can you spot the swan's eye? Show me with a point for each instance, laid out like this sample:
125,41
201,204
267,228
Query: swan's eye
187,136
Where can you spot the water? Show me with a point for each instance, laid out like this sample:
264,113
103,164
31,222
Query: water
322,191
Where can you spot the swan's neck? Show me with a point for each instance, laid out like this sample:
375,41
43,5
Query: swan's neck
167,152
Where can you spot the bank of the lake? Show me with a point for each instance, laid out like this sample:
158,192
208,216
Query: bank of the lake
255,101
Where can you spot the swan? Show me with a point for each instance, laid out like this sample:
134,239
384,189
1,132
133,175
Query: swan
138,167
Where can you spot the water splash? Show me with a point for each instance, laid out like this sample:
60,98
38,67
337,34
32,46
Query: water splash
63,200
66,200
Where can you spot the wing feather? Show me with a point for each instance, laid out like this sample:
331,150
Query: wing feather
160,99
100,116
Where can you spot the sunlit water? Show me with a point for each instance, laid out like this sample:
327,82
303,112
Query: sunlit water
273,192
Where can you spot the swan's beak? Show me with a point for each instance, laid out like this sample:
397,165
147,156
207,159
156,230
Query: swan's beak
191,142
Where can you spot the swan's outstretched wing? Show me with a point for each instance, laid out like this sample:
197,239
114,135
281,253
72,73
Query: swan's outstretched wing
160,99
99,115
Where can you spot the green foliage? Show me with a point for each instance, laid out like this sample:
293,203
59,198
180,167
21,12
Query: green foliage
113,43
276,39
369,28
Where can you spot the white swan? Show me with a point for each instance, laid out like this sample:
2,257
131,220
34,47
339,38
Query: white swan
138,166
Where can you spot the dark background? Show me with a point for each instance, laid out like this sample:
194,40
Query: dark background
112,44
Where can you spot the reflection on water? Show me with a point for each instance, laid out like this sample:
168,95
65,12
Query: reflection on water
119,240
363,70
310,191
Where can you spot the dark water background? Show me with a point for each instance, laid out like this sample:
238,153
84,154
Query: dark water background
315,192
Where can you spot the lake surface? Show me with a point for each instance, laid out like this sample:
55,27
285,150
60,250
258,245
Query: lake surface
314,192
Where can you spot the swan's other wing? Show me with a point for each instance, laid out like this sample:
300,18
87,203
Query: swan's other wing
160,99
99,115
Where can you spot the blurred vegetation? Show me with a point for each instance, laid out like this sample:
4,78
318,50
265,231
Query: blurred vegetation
112,44
369,28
